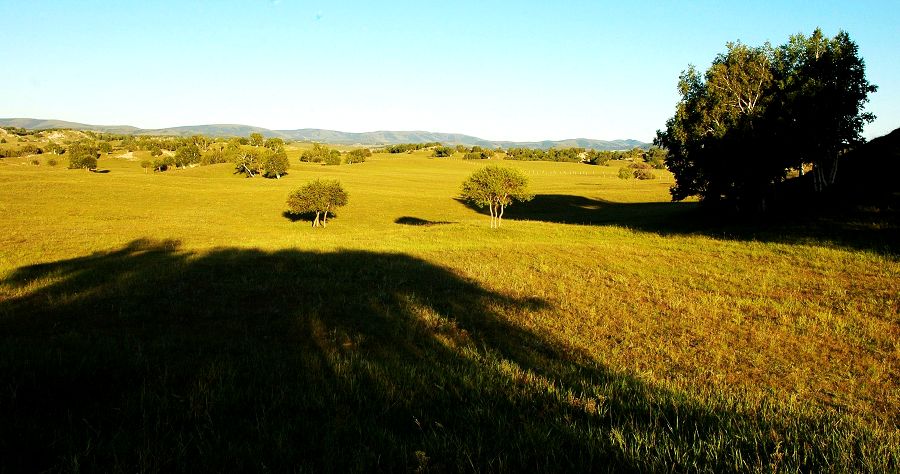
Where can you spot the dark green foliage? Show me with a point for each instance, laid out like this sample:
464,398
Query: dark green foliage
105,147
52,162
82,155
758,112
317,197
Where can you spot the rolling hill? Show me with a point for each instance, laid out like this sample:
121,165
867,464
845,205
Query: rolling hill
326,136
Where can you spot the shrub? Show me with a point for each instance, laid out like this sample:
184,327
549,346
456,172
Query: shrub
358,155
644,174
442,152
52,162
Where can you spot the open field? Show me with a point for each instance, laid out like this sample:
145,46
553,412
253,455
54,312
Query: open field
165,321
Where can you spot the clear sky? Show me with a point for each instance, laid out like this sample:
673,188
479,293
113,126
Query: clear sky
517,70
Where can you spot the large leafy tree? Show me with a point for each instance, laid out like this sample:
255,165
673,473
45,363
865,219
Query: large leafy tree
823,88
187,155
495,187
758,111
83,155
275,163
317,197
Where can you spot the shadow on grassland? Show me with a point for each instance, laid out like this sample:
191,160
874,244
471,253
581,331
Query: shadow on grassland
151,358
305,216
409,220
872,229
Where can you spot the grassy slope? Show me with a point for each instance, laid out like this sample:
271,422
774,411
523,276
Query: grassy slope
186,308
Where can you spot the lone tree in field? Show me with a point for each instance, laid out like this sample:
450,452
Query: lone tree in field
319,197
83,156
495,187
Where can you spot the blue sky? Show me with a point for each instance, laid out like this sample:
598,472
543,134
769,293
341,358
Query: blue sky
498,70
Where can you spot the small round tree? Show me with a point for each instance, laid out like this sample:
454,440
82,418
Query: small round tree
317,197
275,163
495,187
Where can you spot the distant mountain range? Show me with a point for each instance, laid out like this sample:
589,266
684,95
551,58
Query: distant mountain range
324,136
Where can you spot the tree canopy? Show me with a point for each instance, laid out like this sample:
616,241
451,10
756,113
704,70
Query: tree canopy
317,197
495,187
82,155
757,112
321,153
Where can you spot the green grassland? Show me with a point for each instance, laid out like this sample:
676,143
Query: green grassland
181,321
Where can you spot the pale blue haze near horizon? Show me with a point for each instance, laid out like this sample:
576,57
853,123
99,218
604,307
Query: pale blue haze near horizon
497,70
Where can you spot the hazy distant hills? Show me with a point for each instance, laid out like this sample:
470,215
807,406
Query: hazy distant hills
325,136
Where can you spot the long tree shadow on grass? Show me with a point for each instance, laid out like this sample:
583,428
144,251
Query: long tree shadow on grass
418,221
151,358
873,230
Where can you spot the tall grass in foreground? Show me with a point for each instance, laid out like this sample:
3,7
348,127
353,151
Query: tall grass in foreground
159,359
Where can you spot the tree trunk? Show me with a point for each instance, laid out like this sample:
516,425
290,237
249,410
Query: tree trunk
491,208
316,221
500,216
325,218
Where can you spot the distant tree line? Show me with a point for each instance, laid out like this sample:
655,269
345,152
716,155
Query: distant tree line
24,150
408,147
323,154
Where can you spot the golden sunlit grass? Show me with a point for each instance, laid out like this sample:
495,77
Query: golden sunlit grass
601,326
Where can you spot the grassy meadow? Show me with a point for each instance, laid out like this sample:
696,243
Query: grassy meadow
180,321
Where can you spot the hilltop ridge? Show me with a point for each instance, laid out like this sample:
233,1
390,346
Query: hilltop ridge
381,137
